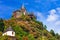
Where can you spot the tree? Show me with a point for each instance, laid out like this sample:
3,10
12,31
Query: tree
1,25
57,36
52,32
45,27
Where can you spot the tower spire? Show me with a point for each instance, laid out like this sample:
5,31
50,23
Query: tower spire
23,9
23,6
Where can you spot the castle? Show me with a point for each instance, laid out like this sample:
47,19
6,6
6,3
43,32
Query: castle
18,13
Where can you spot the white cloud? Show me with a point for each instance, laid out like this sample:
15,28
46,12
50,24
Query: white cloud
57,23
39,16
53,11
52,16
53,20
58,10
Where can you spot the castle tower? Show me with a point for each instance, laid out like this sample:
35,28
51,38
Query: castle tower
23,10
23,7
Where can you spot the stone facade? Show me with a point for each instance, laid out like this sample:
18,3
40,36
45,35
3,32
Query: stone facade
18,13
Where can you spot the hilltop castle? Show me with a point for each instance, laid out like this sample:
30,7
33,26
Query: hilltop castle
18,13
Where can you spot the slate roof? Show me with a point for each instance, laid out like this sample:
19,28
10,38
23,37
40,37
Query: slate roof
16,11
9,29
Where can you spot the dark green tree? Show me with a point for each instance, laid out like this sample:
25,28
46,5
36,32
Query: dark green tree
52,32
57,36
45,27
1,25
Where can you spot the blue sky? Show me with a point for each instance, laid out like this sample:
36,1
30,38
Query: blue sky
47,11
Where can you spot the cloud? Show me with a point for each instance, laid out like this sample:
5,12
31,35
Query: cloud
57,23
58,10
52,16
53,20
39,16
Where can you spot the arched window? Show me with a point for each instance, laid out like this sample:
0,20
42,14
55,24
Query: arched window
12,33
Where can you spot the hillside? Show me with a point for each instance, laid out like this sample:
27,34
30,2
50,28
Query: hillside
26,27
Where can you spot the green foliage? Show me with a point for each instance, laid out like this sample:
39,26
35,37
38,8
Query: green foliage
3,38
53,38
57,36
52,32
0,34
1,25
19,32
25,17
31,37
28,29
45,27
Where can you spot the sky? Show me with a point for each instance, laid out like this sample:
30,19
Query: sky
47,11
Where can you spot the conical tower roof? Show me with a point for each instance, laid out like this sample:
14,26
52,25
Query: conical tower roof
23,8
9,29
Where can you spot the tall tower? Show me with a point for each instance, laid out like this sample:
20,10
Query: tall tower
23,7
23,10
